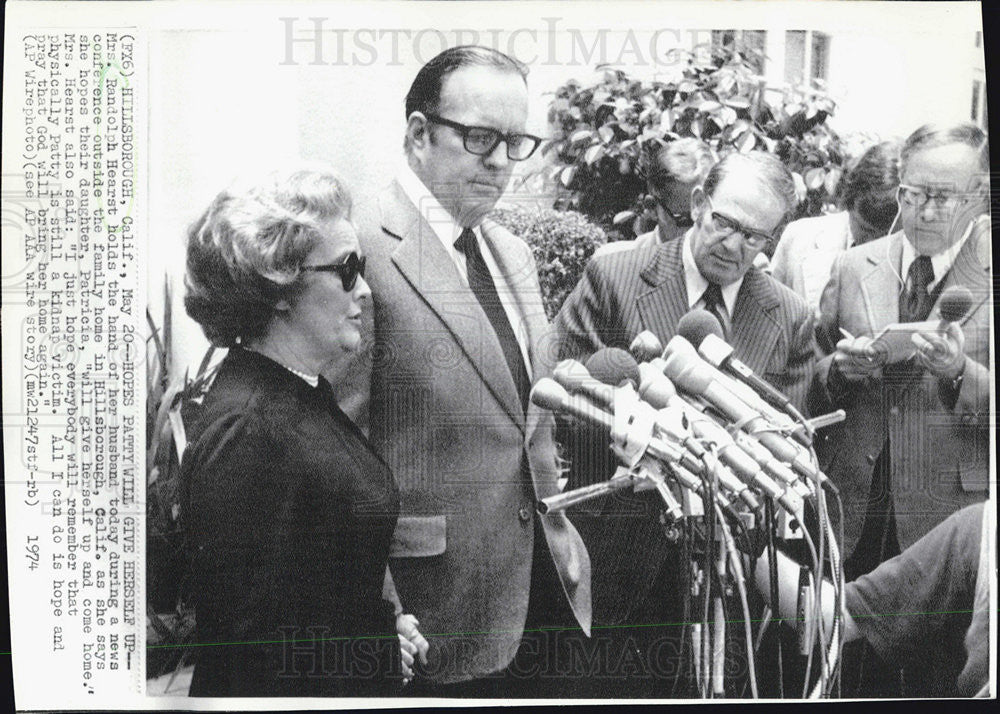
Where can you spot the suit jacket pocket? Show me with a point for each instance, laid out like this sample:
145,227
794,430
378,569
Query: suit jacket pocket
418,537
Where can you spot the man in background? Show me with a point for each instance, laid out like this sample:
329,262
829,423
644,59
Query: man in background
672,172
808,246
737,212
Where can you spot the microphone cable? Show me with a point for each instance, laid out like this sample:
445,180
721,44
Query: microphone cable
738,576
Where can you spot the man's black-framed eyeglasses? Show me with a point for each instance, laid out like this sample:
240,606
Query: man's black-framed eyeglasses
352,267
726,226
482,140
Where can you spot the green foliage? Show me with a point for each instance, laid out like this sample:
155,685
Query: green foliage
562,243
601,130
171,400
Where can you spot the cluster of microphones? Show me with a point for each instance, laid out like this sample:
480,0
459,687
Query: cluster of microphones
698,411
694,423
695,413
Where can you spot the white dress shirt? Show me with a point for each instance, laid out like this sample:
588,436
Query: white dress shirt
941,262
447,231
697,284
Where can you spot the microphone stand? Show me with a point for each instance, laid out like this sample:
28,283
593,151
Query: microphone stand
719,622
715,564
772,559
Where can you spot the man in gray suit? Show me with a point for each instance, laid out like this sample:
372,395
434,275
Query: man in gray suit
915,446
741,206
459,330
923,425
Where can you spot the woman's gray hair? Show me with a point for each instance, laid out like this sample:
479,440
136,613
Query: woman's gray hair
245,252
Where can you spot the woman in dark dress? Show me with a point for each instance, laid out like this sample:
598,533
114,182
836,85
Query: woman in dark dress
289,512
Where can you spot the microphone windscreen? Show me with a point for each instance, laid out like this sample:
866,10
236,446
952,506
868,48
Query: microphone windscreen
955,303
695,325
645,346
614,366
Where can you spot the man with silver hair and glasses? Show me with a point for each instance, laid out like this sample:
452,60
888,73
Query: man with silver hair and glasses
915,445
740,208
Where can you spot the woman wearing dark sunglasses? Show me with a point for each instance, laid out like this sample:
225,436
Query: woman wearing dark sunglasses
288,511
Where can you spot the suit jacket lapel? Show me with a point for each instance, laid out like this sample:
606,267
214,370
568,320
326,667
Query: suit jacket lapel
424,263
971,270
881,286
521,275
755,330
662,306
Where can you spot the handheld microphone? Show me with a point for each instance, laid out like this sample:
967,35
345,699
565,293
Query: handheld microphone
614,366
955,303
645,346
562,501
658,391
667,424
657,387
575,378
548,394
694,327
721,355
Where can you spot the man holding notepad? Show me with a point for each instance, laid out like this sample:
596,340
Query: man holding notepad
915,445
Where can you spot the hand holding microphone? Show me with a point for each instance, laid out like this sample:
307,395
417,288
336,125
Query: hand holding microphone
938,344
942,351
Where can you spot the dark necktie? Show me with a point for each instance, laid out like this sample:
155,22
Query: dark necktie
917,301
712,297
482,286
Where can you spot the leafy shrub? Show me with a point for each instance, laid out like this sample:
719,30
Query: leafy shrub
600,131
172,399
562,242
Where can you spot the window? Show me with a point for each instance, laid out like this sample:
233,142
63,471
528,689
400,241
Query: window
806,51
820,56
795,56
